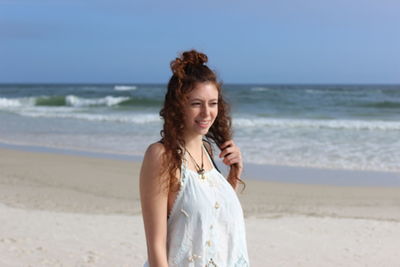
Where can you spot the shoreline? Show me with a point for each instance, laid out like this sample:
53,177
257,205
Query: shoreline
70,183
261,172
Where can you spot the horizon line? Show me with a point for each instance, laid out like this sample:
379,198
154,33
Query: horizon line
159,83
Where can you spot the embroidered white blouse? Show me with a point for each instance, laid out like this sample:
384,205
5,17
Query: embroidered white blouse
206,225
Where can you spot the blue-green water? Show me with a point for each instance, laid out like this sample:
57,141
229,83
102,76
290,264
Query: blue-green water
340,126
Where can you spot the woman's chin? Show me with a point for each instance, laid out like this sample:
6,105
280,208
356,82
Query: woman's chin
202,131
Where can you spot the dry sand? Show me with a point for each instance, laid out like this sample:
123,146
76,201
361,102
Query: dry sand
62,210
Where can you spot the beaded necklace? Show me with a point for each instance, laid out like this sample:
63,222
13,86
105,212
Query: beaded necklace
200,170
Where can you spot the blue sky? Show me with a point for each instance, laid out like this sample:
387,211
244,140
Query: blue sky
309,41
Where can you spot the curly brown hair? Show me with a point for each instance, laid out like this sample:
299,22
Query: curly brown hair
188,70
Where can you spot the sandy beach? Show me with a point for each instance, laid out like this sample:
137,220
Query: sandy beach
69,210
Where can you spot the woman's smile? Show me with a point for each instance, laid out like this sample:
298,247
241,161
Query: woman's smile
203,124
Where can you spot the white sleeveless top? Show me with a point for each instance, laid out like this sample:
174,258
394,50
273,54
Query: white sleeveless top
206,225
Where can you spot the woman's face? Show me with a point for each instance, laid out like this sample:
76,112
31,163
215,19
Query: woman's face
201,109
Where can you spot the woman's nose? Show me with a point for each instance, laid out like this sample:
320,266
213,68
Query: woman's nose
205,110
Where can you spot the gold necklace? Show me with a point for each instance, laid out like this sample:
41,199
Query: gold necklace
200,170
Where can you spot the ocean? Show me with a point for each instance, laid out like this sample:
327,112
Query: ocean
350,127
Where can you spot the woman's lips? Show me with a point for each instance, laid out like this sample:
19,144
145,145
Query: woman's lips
203,124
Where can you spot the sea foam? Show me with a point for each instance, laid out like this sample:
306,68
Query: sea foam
75,101
125,87
7,102
309,123
134,118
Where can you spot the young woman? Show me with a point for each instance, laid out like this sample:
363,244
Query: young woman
191,213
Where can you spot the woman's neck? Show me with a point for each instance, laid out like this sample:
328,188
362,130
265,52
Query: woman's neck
194,144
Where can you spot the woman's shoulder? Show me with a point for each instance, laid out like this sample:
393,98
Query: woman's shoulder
152,162
154,151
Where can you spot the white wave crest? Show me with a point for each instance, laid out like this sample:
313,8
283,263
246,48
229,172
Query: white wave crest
75,101
7,102
125,87
308,123
312,91
259,89
12,103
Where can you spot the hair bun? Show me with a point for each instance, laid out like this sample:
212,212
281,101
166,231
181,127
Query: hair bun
186,61
195,58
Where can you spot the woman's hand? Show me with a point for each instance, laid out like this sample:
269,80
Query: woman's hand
232,155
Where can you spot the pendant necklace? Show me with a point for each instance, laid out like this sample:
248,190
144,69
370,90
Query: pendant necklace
200,170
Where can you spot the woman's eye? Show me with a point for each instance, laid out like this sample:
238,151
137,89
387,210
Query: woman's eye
195,104
214,104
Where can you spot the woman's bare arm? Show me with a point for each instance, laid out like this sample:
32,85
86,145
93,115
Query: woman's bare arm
154,201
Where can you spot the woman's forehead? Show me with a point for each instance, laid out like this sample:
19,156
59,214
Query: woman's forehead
204,91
